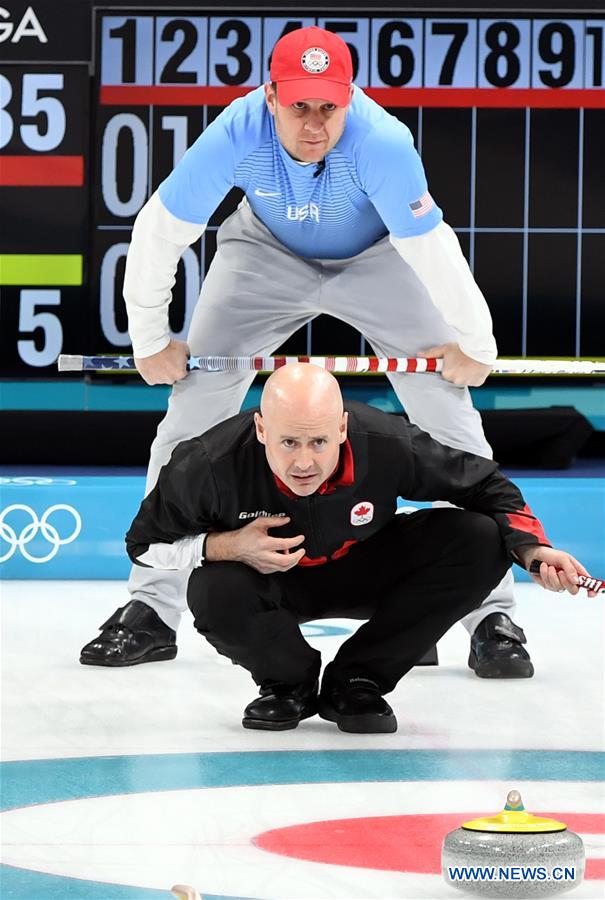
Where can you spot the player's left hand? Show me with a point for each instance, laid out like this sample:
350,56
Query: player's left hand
458,368
558,570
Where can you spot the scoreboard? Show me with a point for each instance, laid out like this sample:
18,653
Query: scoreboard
507,111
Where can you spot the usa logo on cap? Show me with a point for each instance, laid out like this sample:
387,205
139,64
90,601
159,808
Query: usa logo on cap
315,60
362,513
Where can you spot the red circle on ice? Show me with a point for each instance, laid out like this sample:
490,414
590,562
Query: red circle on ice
397,843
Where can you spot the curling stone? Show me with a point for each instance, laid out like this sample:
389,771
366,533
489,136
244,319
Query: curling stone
513,854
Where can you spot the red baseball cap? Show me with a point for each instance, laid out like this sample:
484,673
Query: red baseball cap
311,63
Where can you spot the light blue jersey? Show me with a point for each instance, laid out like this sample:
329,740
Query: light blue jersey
373,182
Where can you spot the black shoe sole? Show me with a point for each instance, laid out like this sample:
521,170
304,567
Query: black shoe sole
364,723
158,654
264,725
501,668
272,725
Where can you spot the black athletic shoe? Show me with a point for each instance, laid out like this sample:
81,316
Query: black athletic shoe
281,706
134,634
357,706
497,649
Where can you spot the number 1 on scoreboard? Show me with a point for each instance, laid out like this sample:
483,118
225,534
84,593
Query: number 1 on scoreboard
127,50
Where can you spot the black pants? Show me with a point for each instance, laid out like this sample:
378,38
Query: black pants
411,582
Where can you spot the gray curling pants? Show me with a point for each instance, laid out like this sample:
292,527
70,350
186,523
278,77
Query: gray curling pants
255,295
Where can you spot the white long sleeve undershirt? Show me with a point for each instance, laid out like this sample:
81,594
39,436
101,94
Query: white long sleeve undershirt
184,553
158,241
439,263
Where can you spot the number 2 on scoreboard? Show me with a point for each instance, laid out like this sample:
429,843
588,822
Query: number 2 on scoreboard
129,55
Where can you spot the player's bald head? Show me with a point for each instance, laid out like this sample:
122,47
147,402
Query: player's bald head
301,389
302,425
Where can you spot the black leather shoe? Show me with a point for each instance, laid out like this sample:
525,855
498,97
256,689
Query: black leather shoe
134,634
357,706
281,706
497,649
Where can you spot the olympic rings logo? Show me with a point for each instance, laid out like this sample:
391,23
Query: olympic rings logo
29,532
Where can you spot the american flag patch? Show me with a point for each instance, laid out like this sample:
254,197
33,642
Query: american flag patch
421,206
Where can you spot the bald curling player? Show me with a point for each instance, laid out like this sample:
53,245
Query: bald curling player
290,515
337,219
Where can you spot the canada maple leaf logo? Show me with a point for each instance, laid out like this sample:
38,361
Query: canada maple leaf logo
363,513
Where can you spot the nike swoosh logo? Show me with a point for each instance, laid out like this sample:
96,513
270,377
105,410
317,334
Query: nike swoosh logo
260,193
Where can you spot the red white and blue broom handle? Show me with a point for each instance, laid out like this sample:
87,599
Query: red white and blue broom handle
339,365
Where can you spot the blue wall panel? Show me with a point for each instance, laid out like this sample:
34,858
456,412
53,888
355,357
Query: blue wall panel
73,526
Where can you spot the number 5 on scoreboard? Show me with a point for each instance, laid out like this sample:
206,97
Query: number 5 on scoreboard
31,320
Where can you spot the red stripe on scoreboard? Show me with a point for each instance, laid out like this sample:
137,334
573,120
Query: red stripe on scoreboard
42,170
164,95
491,98
488,98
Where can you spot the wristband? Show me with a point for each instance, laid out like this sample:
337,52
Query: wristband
203,550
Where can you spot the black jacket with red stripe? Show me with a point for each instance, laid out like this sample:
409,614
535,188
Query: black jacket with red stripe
221,481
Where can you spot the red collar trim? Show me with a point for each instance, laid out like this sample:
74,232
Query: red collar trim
342,476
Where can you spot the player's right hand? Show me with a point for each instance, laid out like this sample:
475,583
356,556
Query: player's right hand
558,570
255,547
165,367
